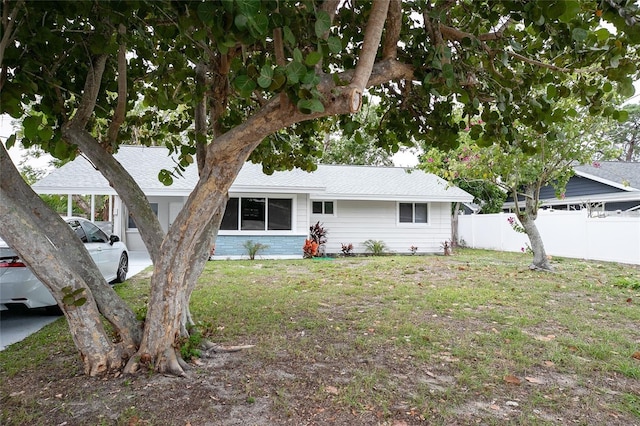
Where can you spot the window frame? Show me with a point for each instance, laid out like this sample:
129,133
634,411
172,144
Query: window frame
265,231
324,207
413,222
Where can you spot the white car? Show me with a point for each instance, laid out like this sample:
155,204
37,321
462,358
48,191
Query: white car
18,285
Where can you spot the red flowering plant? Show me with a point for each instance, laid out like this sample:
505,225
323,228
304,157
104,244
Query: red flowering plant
310,249
313,246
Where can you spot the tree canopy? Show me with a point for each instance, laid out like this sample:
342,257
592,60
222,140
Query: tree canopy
220,82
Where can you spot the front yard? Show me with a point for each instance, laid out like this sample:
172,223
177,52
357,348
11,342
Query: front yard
474,338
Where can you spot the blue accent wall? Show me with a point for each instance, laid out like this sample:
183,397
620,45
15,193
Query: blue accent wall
279,245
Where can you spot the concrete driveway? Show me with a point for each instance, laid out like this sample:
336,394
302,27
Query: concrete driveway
17,324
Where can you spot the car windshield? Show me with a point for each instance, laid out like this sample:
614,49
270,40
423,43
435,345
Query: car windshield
77,228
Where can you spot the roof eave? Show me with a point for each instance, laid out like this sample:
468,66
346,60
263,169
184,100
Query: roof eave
377,197
605,181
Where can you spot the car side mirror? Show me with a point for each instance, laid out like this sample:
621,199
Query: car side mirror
113,239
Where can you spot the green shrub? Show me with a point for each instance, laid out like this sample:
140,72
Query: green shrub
375,247
627,282
254,248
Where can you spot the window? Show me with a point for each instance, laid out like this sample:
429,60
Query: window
279,214
252,215
322,207
94,234
230,218
132,222
258,214
88,232
77,228
413,213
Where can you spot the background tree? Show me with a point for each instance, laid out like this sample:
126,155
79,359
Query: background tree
355,140
523,168
249,79
626,135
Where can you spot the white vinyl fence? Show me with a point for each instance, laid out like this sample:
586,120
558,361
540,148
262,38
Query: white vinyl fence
613,238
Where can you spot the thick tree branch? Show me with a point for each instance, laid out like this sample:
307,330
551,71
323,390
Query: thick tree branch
392,30
121,107
242,139
331,7
278,47
200,115
372,36
545,65
449,33
90,93
8,22
134,198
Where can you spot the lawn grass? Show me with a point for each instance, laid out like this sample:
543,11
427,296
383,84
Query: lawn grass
474,337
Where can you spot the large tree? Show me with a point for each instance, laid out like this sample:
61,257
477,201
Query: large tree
243,79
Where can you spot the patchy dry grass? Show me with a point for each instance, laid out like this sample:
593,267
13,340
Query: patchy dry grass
475,338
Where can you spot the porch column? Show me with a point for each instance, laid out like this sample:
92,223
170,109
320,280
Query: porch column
70,205
93,207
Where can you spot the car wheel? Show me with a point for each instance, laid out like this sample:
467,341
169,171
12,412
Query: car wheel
123,267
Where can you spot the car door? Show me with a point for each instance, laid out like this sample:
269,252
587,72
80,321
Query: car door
103,252
94,248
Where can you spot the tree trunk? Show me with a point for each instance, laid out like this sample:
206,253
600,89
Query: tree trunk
528,221
454,225
39,235
133,197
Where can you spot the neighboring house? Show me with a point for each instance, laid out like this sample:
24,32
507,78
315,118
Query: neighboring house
354,204
607,186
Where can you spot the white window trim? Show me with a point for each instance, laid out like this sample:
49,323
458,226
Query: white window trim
294,215
335,208
413,224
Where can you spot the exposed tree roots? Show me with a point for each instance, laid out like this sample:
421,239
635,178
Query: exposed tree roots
212,348
545,268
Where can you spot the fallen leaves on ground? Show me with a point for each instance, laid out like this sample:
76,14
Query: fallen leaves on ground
332,390
547,338
512,380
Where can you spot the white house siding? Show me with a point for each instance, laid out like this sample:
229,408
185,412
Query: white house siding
357,221
132,236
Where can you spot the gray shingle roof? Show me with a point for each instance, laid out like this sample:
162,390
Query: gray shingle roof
622,174
328,181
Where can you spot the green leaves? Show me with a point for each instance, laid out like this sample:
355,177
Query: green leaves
266,76
30,126
334,44
579,34
323,23
249,8
244,85
295,72
206,11
313,58
165,177
309,106
70,296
